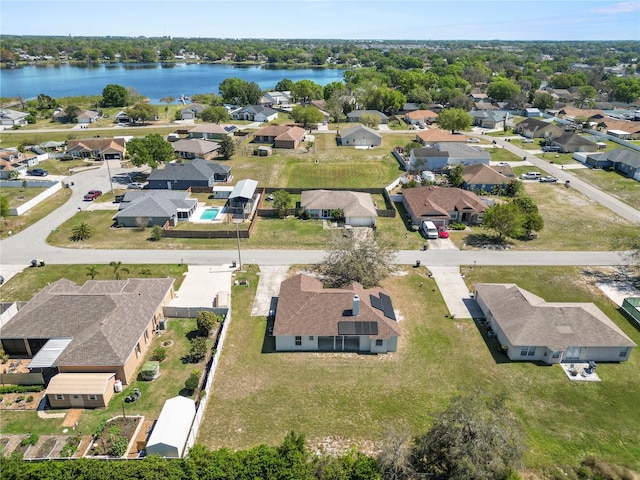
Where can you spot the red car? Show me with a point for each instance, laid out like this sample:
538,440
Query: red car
92,195
442,233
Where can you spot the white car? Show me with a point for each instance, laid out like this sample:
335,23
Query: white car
135,186
473,140
503,164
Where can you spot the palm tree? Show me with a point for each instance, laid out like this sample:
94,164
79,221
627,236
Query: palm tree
145,272
117,268
82,231
92,271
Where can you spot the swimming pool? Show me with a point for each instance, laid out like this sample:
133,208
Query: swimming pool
210,214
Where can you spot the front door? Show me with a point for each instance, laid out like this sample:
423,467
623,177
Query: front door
76,401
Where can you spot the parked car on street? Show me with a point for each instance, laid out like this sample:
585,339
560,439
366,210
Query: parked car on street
527,140
135,185
503,164
38,172
92,195
548,178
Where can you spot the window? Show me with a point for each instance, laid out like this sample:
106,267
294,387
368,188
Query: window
527,351
556,354
146,336
298,341
138,351
59,397
92,397
311,337
624,352
378,343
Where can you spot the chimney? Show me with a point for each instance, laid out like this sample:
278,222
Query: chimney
355,309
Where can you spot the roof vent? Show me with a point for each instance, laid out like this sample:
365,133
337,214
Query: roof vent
355,309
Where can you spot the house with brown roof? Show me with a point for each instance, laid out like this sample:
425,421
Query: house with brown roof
437,135
485,178
425,117
532,329
535,128
196,148
10,161
98,148
358,207
350,319
571,113
442,205
620,128
103,326
281,136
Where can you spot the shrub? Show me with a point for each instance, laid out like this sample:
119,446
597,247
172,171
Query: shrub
159,354
32,439
198,349
20,388
118,447
193,381
30,399
71,446
457,226
156,233
205,322
19,398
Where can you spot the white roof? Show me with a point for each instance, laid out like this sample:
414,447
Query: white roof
244,189
171,431
49,353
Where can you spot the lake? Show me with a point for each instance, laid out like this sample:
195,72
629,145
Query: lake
154,80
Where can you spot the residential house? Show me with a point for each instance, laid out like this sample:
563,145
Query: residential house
193,111
485,178
154,207
432,136
531,112
562,94
242,198
589,114
196,148
281,136
97,148
359,136
620,128
358,207
195,173
10,161
83,390
421,117
277,98
103,326
212,131
572,142
442,205
443,155
13,117
491,119
255,113
535,128
86,117
532,329
121,117
623,160
356,115
352,319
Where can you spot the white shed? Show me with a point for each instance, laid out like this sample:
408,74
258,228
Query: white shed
171,431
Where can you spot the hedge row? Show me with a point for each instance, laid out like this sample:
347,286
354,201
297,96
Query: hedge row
20,388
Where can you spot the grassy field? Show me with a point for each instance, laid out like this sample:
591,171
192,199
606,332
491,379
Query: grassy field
18,196
260,395
572,222
623,188
18,223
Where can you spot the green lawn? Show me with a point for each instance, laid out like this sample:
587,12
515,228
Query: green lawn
19,195
623,188
503,155
260,395
572,222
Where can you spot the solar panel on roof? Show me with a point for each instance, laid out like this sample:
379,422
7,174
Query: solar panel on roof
387,306
357,328
375,302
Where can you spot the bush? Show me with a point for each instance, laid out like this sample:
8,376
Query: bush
198,349
457,226
71,446
19,398
21,388
205,322
118,447
193,381
32,439
159,354
30,399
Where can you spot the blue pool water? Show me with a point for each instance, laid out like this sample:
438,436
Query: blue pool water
209,214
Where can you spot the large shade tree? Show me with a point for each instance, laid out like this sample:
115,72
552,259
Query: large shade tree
114,96
454,119
239,92
150,150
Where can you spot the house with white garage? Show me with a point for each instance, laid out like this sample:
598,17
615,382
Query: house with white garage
532,329
170,435
350,319
255,113
13,117
358,208
440,156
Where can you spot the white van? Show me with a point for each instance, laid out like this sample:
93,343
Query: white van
429,229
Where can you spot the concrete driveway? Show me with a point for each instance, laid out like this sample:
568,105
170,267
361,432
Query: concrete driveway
201,285
268,289
455,292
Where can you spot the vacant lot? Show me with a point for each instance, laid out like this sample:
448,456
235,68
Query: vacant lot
259,395
572,222
623,188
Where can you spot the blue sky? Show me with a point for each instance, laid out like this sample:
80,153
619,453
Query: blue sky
347,19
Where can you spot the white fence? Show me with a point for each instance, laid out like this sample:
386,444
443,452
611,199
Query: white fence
53,187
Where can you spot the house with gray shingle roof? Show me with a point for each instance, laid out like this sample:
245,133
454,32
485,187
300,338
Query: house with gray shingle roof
255,113
572,142
356,115
196,148
535,128
360,136
532,329
447,154
154,207
181,176
13,117
109,325
485,178
357,207
623,160
350,319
